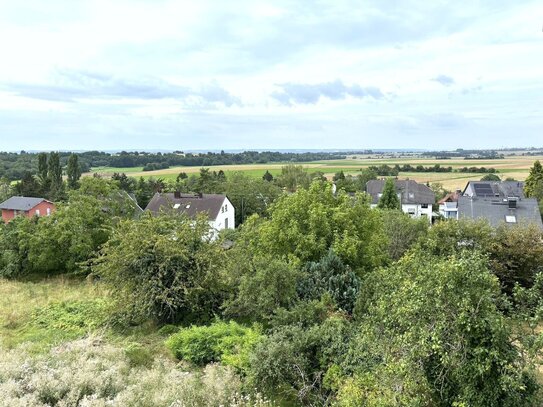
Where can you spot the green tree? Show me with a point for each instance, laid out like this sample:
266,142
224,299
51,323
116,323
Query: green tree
267,176
490,177
43,177
304,225
67,240
54,174
164,268
258,285
28,186
535,178
293,177
389,198
6,190
432,333
73,171
249,195
332,277
402,232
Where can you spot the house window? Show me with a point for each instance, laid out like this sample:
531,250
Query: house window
226,223
411,195
424,206
225,208
37,212
48,211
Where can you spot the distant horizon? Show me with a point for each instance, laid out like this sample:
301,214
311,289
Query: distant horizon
280,150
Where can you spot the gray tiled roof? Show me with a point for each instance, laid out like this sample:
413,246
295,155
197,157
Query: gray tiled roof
495,210
502,189
21,203
189,204
412,192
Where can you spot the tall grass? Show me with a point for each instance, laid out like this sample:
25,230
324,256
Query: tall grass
90,372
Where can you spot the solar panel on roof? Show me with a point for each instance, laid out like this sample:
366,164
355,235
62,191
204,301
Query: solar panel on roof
483,189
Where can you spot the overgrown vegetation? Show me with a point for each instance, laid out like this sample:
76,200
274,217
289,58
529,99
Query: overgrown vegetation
320,300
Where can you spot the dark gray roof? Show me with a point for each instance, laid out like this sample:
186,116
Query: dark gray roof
189,204
21,203
501,189
496,209
412,192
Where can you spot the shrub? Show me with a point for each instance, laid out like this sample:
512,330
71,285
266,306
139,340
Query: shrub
137,355
91,373
164,268
229,343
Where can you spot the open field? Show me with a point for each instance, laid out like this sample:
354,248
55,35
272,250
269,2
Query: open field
516,167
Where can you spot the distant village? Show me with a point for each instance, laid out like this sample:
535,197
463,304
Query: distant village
497,202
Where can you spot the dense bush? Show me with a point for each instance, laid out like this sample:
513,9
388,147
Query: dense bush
229,343
163,267
293,361
332,277
437,336
304,225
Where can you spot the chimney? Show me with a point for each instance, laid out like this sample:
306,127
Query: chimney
177,194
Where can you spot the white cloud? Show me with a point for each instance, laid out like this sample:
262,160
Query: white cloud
350,73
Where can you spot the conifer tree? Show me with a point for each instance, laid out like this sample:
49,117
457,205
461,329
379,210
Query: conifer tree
267,176
389,198
73,171
54,175
534,180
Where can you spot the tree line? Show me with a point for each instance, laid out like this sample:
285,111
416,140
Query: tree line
13,166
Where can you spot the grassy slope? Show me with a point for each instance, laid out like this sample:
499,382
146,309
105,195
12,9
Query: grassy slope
48,312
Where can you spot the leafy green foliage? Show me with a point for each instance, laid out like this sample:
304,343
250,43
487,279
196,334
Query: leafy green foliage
402,232
304,225
258,285
490,177
229,343
293,361
163,267
330,276
439,318
72,317
389,198
73,171
535,178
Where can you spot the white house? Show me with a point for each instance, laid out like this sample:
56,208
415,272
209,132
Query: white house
448,205
218,208
417,199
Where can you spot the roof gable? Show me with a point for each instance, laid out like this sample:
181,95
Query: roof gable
411,191
189,204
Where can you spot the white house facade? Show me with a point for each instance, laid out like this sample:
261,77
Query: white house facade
416,199
218,208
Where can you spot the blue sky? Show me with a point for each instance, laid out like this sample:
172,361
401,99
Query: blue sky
159,74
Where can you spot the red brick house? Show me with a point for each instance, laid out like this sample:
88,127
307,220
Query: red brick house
25,206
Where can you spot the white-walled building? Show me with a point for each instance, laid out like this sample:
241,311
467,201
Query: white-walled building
448,205
417,199
218,208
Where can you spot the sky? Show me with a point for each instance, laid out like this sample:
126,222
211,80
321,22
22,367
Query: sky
211,75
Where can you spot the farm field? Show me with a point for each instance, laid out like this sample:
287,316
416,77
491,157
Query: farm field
516,167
